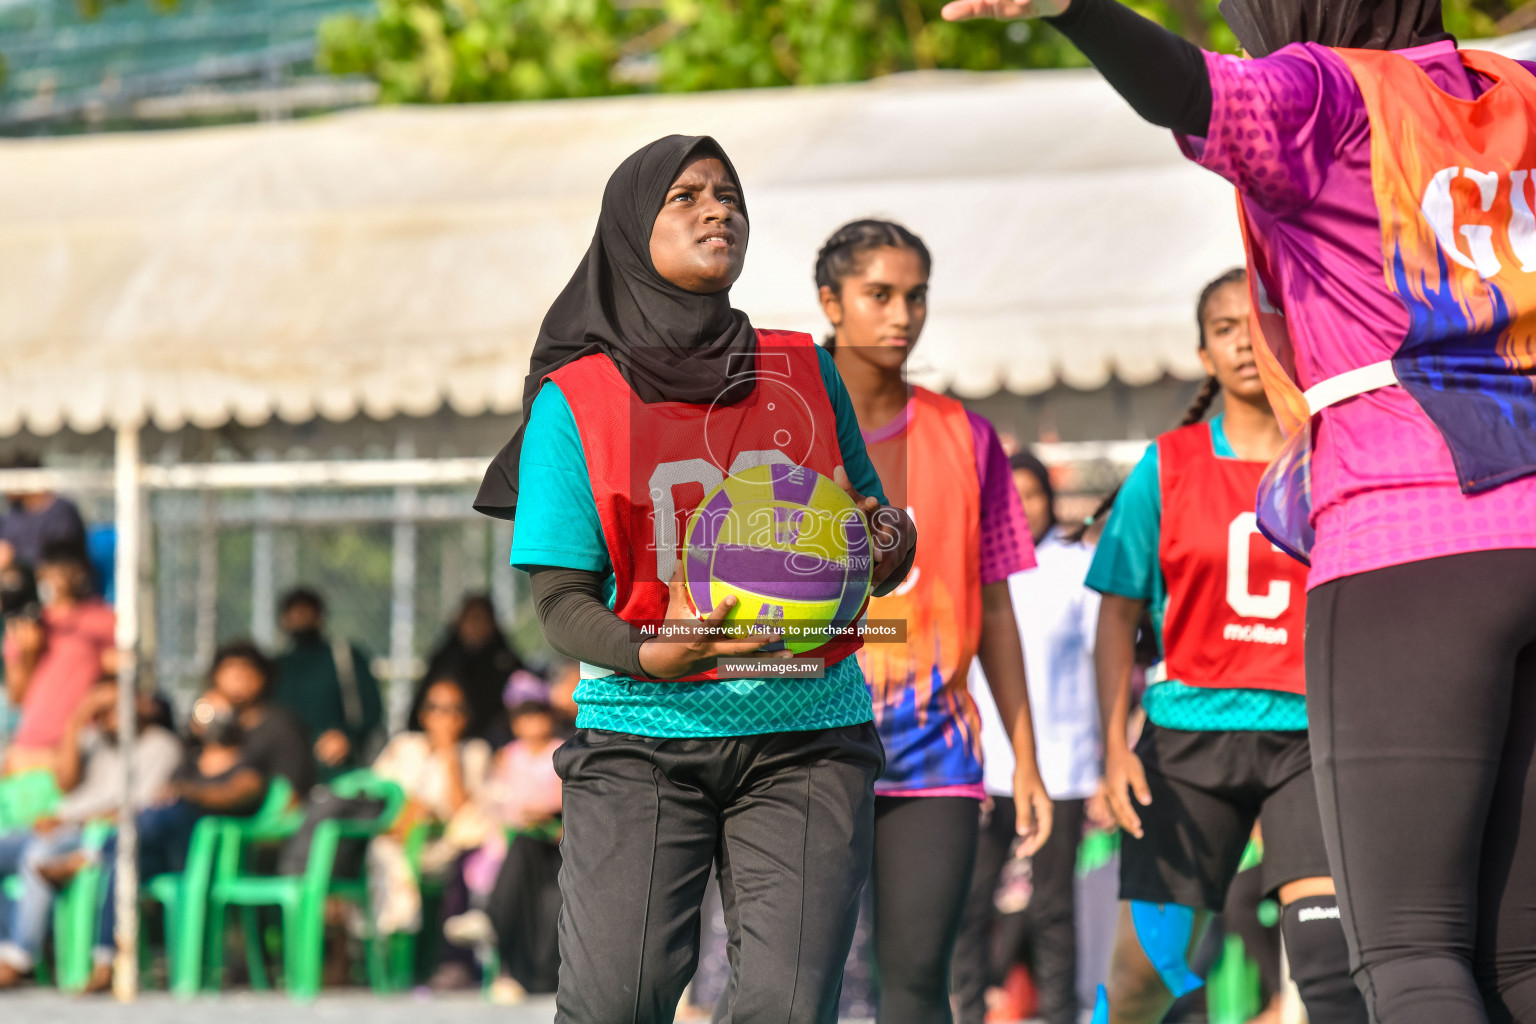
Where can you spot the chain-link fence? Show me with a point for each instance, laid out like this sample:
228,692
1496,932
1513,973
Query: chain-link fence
392,564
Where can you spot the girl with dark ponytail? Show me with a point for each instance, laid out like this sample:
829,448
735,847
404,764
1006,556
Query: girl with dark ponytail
1225,742
1199,406
947,467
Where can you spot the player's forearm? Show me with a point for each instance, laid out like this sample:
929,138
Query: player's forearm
1002,660
578,624
1114,658
1161,75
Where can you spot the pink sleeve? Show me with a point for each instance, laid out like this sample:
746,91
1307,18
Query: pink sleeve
1276,123
1006,547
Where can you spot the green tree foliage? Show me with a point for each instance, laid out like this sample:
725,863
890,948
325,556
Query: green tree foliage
729,44
465,51
470,50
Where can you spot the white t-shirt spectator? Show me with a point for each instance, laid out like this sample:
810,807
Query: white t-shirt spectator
156,755
1058,618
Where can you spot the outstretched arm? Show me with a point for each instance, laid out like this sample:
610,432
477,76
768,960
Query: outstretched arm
1161,75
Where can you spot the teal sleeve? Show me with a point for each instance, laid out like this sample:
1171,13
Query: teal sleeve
850,439
557,522
1126,560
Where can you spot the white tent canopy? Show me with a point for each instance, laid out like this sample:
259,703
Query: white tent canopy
390,260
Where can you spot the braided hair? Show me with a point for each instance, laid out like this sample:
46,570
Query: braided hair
1200,406
842,255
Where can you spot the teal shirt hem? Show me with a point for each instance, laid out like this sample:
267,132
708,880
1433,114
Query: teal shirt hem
1174,705
1126,562
725,707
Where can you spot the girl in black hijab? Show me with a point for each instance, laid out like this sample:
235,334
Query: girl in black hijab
670,344
646,388
476,654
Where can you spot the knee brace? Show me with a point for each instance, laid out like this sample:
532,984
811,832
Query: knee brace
1319,959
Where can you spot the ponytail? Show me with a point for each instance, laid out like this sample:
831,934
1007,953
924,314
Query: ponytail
1203,398
1077,535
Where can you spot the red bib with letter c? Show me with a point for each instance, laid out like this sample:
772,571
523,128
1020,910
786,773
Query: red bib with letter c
1236,603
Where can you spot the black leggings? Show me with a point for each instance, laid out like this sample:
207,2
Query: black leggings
990,944
925,850
525,908
1421,689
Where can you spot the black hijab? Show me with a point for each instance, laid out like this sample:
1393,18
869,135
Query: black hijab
671,345
481,672
1264,26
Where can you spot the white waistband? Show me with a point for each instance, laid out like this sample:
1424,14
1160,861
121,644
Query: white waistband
1349,384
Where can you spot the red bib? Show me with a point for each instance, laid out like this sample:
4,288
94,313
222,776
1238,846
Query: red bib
1236,604
652,464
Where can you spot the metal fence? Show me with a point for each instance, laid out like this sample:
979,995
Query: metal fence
393,546
393,565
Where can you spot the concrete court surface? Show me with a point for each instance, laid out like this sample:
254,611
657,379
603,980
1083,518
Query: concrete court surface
47,1006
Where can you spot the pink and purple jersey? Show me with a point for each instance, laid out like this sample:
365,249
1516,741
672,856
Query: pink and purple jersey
1292,132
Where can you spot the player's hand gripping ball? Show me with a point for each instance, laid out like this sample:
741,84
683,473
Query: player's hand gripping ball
789,545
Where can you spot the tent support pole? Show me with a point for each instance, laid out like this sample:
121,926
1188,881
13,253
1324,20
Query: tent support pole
128,501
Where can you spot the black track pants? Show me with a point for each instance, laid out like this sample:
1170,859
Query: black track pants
990,945
789,817
525,908
925,850
1421,683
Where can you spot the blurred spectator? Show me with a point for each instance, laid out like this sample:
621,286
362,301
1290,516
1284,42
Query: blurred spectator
18,591
240,744
51,662
274,740
35,520
444,776
90,773
328,685
518,885
476,653
564,676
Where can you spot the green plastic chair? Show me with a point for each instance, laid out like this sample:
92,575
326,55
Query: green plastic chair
184,895
26,797
75,911
402,947
74,915
302,897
